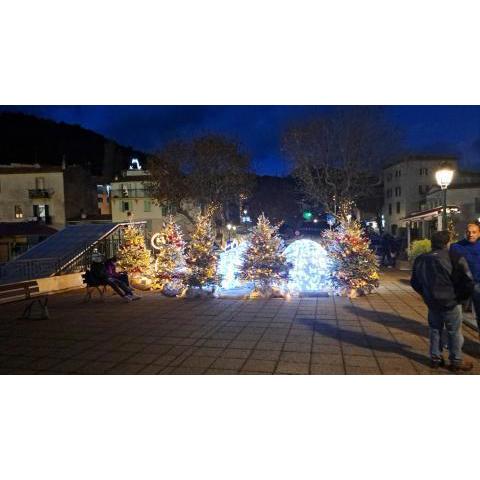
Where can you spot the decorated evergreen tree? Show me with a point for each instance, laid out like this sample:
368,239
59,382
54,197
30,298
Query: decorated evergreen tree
264,262
170,258
201,259
353,267
133,256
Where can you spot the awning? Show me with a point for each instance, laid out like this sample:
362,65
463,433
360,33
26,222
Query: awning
429,214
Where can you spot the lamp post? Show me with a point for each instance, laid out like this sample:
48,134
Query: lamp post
444,177
229,227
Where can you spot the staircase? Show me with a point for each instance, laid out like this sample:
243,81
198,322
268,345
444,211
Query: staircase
67,251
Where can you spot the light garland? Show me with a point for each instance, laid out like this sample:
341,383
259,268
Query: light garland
310,266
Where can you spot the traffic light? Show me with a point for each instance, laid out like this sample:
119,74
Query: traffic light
307,215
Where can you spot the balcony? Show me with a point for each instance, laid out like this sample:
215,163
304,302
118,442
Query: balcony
130,193
40,193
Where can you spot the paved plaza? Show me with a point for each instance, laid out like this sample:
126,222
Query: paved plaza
384,333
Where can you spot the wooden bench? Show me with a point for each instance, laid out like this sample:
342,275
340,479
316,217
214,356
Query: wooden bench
91,285
26,292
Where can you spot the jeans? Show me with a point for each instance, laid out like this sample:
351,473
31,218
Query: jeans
476,303
120,287
451,320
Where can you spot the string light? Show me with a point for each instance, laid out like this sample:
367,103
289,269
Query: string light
310,266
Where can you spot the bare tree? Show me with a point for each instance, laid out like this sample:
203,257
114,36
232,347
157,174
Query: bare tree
207,170
169,185
338,158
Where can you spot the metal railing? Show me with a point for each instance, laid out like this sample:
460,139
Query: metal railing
107,246
40,193
129,193
29,269
46,267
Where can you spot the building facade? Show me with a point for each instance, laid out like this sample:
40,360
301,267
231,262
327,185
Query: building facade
408,184
131,200
30,193
49,195
103,198
463,200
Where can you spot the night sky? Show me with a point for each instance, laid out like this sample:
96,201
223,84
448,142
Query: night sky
433,129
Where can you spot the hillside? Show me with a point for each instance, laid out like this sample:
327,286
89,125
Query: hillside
28,139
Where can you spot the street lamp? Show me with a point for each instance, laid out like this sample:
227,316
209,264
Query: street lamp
229,227
444,178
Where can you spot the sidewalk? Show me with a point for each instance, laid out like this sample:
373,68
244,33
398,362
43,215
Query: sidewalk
385,332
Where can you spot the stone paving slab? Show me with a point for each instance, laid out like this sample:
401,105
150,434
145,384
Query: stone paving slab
383,333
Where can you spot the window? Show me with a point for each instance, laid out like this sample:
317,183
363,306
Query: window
18,211
423,171
42,213
40,183
168,210
388,193
394,229
147,206
389,177
125,206
398,173
398,207
398,191
420,189
389,208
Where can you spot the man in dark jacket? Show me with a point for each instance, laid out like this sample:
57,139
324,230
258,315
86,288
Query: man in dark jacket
469,248
444,281
101,275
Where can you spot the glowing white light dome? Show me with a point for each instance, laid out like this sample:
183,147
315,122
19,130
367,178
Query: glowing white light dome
310,266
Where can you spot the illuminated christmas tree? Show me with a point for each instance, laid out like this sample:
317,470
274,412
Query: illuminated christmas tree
133,256
170,258
352,263
264,262
201,259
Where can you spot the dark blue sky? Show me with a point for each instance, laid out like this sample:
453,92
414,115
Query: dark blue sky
258,128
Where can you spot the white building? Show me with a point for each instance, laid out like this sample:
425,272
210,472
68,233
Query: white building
406,183
463,206
130,199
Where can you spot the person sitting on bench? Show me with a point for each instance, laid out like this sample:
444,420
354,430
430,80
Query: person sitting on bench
99,272
111,267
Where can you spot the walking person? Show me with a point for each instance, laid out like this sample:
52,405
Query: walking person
469,248
387,251
444,280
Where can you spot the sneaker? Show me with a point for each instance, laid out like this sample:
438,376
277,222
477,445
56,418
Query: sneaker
127,298
437,362
135,297
464,366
